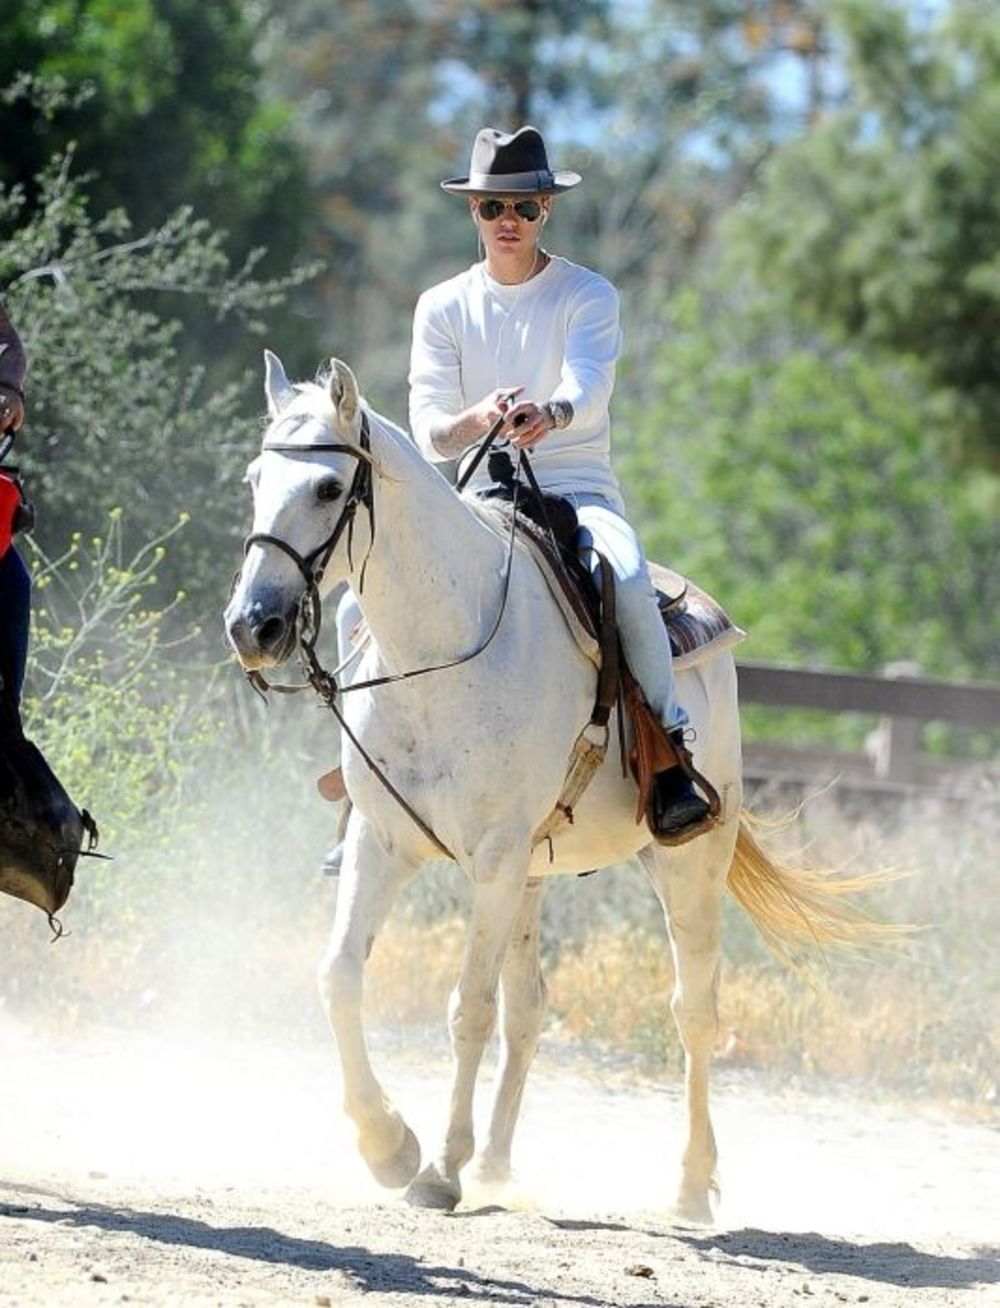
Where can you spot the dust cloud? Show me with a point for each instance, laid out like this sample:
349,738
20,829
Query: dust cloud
174,1043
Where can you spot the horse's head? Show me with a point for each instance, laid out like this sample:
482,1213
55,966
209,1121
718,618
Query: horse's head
307,482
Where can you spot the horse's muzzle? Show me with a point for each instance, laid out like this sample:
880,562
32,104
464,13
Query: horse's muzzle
262,636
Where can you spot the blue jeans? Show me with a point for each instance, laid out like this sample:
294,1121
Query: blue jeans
15,616
644,637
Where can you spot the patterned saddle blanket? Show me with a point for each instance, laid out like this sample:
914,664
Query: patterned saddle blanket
698,626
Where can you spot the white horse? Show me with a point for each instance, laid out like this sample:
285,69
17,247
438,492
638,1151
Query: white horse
479,751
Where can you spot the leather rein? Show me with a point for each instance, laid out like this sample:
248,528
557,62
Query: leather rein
312,566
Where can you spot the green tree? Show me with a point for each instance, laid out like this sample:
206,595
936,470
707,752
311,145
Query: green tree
363,77
794,478
110,697
883,223
117,416
686,104
162,102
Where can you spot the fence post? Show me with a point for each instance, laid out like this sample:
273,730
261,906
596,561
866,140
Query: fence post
895,743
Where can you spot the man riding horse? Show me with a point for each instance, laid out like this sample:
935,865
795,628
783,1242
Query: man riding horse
459,744
530,338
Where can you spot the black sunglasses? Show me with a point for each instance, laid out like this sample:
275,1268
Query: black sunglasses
491,209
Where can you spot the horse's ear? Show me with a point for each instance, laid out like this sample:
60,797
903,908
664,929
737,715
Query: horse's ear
343,390
278,389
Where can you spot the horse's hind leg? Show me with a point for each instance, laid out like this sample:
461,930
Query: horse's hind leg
690,882
497,895
370,880
522,1007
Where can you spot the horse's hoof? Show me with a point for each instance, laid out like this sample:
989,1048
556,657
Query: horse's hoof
431,1190
693,1208
402,1166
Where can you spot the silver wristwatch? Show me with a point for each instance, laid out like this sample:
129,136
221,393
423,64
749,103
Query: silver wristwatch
561,413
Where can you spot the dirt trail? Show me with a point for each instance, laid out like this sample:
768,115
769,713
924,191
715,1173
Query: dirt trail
142,1171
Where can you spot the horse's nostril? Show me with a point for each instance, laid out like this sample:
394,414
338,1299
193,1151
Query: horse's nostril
270,632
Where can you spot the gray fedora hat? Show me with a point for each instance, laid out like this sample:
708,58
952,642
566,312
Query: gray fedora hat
509,163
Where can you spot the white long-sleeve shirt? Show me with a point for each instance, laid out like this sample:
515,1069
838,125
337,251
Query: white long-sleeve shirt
557,335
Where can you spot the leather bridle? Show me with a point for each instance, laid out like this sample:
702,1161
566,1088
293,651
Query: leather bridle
313,566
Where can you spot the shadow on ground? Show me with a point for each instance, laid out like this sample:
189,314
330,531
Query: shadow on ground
897,1264
370,1270
892,1264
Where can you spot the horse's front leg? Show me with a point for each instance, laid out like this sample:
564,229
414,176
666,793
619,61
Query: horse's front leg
690,882
371,878
499,887
522,1008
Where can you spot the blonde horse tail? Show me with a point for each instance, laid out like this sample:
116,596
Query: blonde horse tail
803,910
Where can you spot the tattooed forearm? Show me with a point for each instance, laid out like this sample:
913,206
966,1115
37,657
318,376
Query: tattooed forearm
453,436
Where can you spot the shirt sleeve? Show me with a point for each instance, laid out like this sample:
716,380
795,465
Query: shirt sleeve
593,344
435,375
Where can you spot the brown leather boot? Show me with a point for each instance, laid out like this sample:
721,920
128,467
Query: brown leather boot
677,812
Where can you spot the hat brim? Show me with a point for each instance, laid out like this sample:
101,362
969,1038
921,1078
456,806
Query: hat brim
512,184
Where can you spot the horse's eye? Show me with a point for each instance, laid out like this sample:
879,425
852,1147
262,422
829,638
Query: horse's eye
329,490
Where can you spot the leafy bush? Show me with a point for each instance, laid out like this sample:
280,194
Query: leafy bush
108,700
116,417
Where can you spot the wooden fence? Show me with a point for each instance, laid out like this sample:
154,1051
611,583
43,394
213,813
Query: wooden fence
891,761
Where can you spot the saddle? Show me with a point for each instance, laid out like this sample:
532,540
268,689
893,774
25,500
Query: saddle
697,626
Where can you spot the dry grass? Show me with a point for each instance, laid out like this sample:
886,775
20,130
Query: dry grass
233,946
922,1019
891,1025
412,971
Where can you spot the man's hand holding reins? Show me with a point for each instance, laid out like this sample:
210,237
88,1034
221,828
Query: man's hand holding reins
526,424
491,408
